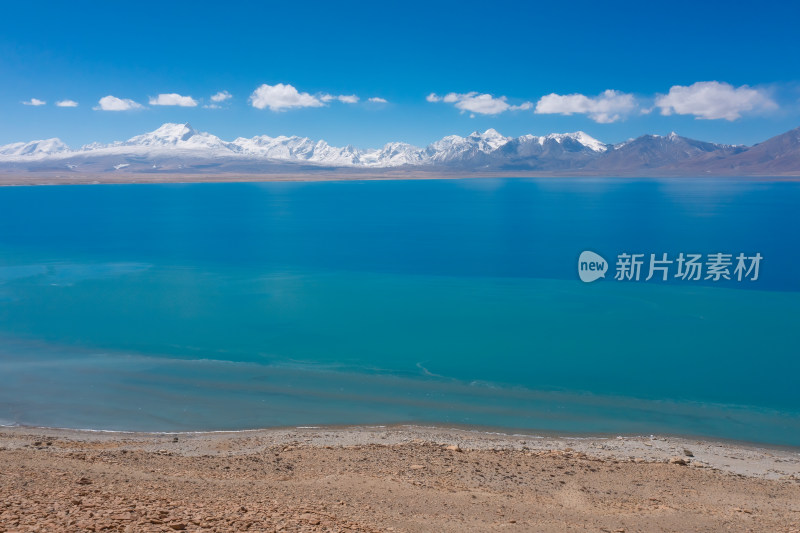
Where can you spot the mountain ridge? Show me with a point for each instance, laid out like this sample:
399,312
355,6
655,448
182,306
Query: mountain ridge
180,148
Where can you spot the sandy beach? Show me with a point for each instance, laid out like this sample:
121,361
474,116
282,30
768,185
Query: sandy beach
389,479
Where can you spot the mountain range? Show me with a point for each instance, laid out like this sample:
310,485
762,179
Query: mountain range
179,149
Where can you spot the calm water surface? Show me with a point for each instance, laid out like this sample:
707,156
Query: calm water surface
231,306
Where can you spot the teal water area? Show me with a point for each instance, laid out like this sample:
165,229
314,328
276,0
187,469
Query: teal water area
234,306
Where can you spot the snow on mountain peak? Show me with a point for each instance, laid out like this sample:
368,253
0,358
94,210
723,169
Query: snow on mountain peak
181,136
493,138
492,133
580,137
34,148
184,141
589,141
454,147
168,134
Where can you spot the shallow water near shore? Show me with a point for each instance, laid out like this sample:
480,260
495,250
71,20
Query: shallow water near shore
232,306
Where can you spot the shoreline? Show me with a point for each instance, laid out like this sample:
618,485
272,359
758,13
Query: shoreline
371,479
33,179
438,428
478,430
767,461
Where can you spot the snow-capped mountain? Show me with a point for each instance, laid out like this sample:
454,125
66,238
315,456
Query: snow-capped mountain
396,154
180,148
296,149
459,149
34,148
178,136
168,137
182,141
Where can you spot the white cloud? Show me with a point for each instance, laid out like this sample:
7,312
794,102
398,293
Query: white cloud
34,102
713,100
67,103
112,103
279,97
609,106
221,96
345,98
378,100
173,99
485,104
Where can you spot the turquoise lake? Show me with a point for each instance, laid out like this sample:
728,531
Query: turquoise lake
182,307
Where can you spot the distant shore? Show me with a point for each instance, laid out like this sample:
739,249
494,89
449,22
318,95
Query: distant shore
401,478
33,178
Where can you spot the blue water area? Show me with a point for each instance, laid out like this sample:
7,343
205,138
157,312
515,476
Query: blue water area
454,302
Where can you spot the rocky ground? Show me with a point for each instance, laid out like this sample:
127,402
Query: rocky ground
389,479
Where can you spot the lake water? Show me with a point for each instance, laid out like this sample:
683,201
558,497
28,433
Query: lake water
178,307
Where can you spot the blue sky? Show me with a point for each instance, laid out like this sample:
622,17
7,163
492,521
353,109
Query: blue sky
708,70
